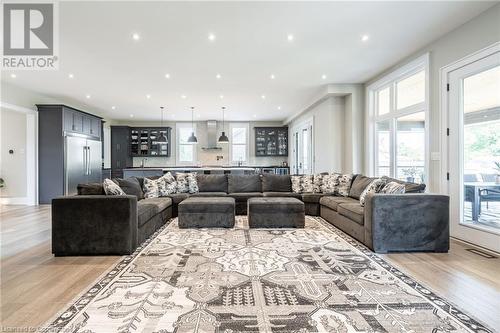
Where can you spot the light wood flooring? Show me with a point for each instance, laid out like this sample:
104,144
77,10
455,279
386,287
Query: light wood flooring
34,285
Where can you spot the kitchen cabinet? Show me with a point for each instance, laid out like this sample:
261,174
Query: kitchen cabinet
271,141
120,150
75,121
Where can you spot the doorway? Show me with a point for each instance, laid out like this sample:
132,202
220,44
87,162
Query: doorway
473,133
303,148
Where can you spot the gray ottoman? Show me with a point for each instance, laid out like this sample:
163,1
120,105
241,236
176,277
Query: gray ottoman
275,212
203,212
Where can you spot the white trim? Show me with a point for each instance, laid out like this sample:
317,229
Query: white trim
392,79
177,143
308,122
16,108
247,139
443,102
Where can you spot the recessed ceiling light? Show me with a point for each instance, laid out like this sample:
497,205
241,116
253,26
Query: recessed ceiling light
87,96
365,38
148,96
70,75
279,107
255,116
183,96
221,96
13,75
131,116
173,116
323,77
218,76
272,76
167,76
211,37
290,37
198,116
136,36
113,107
263,96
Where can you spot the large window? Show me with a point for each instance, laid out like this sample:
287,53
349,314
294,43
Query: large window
186,152
398,110
239,143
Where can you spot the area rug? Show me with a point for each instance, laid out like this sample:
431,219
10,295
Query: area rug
315,279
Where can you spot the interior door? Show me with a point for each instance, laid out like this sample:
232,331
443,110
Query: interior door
303,148
474,151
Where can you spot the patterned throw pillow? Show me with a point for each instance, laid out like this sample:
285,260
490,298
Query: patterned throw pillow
111,188
317,183
302,184
192,183
151,187
375,186
182,182
393,188
344,185
168,185
330,183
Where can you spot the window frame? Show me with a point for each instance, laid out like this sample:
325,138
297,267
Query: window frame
246,144
178,126
391,80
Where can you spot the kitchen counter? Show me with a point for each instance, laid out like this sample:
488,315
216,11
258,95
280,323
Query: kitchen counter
158,171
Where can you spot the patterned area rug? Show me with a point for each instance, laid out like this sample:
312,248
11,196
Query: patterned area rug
315,279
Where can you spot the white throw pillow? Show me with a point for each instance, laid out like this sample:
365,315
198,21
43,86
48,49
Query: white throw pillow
374,187
296,186
111,188
168,185
317,183
182,182
192,183
344,185
330,183
393,188
302,184
151,188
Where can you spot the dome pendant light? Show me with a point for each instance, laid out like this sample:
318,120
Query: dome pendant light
192,139
162,138
223,138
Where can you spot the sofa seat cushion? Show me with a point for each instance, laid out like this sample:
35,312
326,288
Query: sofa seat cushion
209,194
332,202
353,211
212,183
312,197
148,208
243,197
178,197
244,183
283,194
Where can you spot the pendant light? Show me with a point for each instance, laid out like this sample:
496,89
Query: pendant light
162,138
223,138
192,139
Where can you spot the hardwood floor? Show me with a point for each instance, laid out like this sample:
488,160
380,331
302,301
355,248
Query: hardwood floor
34,285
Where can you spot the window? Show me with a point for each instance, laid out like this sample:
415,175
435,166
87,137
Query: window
186,152
398,109
239,143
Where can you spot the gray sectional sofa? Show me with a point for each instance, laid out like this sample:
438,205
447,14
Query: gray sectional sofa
91,222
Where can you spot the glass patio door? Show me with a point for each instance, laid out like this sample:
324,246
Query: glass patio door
302,149
474,151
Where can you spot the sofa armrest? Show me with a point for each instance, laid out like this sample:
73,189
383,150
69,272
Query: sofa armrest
94,225
407,222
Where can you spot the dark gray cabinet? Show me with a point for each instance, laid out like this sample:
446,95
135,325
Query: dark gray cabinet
271,141
120,150
79,122
144,142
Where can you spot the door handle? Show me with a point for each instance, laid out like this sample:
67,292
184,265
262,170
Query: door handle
88,161
85,159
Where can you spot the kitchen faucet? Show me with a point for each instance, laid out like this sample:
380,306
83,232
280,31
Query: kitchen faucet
143,162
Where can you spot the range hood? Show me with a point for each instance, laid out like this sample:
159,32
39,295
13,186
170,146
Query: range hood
211,136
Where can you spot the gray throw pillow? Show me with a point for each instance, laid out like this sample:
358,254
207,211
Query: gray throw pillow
130,186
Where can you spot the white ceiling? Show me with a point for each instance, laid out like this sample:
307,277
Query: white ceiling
97,47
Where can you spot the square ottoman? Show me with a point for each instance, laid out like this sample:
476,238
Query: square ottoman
206,212
276,212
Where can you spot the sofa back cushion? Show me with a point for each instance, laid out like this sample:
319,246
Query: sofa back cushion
212,183
130,186
359,184
90,189
276,183
409,187
244,183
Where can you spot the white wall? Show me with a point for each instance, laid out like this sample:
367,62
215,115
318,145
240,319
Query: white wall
13,166
474,35
207,157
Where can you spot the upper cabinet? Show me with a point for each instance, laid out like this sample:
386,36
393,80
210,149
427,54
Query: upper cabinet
81,123
150,141
271,141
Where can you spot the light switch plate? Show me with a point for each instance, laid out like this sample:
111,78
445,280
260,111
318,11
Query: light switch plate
435,156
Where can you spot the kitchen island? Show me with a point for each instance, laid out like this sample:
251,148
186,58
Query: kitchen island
238,170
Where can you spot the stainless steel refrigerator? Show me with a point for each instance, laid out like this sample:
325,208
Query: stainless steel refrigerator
83,162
